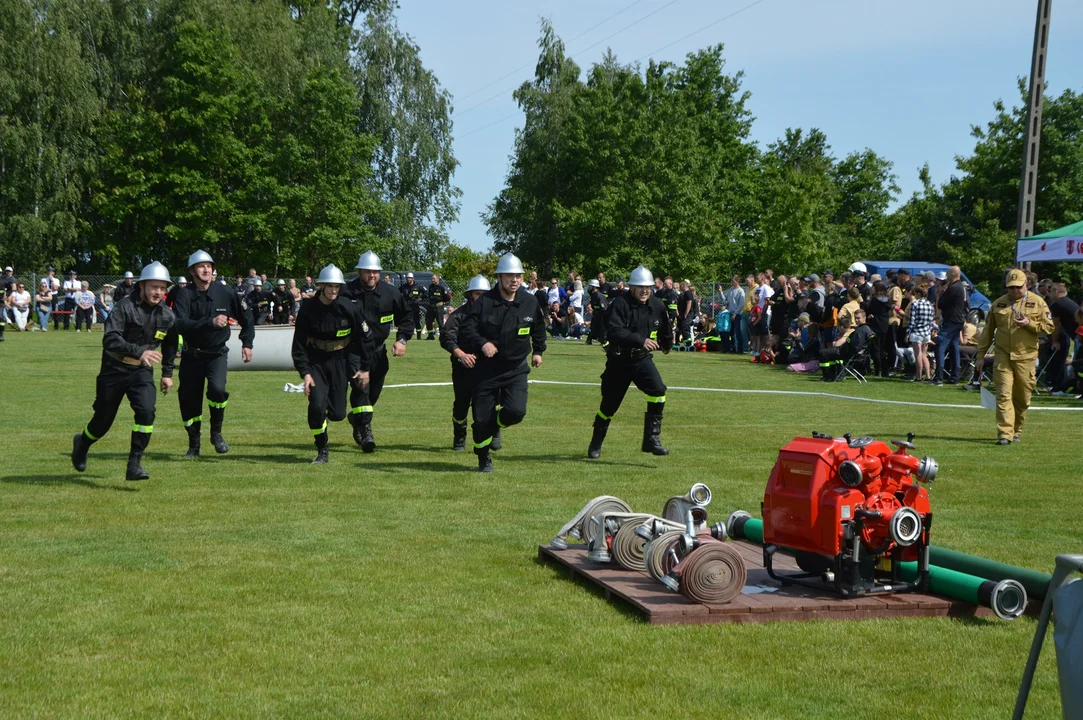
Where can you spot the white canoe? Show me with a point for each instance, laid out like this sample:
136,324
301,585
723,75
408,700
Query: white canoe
270,349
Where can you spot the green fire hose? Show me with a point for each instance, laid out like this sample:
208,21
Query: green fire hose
1035,582
1006,596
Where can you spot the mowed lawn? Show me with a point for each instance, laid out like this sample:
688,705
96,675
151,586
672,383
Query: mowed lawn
405,584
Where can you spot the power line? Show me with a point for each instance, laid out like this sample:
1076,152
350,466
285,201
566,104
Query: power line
486,127
697,32
589,47
623,10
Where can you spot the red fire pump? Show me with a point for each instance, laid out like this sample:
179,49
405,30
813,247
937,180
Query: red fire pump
849,510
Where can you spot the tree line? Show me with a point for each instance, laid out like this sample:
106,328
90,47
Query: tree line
627,164
282,135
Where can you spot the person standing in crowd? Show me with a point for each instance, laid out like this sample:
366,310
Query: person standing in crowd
605,287
84,307
919,315
686,306
1063,310
261,299
203,311
124,288
541,294
734,300
7,289
575,297
331,352
1015,321
282,303
379,305
758,319
139,325
599,304
877,315
43,300
308,289
295,294
671,298
953,308
71,287
462,362
414,295
638,325
502,328
436,298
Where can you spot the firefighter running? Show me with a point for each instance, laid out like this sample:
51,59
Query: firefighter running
501,329
203,312
330,351
137,327
462,362
637,324
379,304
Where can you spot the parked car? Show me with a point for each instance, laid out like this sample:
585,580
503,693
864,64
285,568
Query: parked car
979,304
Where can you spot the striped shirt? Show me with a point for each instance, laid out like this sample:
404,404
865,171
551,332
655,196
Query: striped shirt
921,317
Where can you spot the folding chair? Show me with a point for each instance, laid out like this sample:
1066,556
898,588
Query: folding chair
856,366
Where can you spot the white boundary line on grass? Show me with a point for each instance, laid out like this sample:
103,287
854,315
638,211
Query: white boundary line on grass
802,393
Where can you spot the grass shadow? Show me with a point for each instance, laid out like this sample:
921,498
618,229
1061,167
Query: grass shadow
276,459
413,466
566,457
946,438
69,479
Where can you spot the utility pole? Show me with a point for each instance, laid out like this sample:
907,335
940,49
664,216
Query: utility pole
1032,135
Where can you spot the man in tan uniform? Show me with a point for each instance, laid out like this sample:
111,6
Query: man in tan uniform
1012,328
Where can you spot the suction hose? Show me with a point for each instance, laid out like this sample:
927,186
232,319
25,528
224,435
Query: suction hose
1006,597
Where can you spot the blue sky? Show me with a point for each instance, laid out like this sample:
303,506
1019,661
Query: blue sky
906,79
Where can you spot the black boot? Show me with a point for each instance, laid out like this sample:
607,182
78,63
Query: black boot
193,441
135,456
220,445
485,460
496,443
459,436
368,442
601,427
652,428
322,453
355,421
80,446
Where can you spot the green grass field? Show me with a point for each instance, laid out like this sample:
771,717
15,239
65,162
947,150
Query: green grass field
406,584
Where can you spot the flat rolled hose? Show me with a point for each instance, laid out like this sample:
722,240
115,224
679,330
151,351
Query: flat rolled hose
712,574
628,548
656,555
579,526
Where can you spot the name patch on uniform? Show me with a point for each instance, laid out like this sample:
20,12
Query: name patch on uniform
524,331
386,319
159,335
342,333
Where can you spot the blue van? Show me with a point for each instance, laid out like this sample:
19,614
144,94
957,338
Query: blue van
979,304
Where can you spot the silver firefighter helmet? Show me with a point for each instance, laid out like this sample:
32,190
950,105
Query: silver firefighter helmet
478,282
331,275
199,256
368,261
155,271
509,265
641,276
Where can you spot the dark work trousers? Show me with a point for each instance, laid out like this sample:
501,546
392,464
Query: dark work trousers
195,368
68,308
83,315
882,350
417,312
363,400
462,380
619,373
947,340
114,382
432,320
497,384
597,327
327,400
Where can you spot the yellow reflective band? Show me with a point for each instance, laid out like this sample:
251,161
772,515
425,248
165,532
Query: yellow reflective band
483,443
654,335
143,428
218,405
603,416
653,399
159,335
672,307
386,319
362,409
342,333
193,421
320,430
524,331
498,423
86,431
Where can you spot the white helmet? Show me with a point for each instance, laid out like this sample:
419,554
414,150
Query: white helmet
259,283
128,275
280,282
641,276
331,275
508,264
199,256
367,261
478,282
859,267
594,283
155,271
181,280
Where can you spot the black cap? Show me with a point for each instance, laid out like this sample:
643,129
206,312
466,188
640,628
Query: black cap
856,273
900,271
50,269
802,296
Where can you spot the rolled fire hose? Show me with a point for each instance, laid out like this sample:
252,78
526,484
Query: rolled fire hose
1006,597
660,554
677,507
712,574
577,528
629,545
604,526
